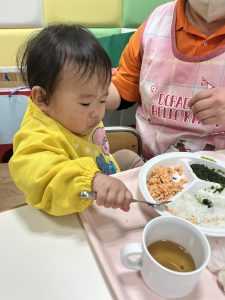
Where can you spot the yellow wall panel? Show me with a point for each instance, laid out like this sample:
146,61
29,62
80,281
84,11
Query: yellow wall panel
11,40
90,13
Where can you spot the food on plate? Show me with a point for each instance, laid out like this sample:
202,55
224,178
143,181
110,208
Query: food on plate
195,187
208,158
203,207
165,182
205,173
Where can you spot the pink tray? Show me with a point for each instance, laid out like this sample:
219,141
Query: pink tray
108,230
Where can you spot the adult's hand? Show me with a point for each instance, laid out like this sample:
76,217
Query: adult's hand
208,106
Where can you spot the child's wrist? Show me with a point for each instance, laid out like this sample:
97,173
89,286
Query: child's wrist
93,184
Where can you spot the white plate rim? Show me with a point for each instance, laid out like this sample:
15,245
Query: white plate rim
210,232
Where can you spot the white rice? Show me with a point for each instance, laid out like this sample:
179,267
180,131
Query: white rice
189,206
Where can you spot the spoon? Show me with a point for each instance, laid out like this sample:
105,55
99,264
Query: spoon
92,196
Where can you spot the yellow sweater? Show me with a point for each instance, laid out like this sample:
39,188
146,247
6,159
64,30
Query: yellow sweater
51,165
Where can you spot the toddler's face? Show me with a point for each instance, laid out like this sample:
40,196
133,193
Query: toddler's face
78,104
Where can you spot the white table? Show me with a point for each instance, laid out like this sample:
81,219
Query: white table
47,258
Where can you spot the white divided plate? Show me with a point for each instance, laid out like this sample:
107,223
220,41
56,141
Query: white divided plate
177,159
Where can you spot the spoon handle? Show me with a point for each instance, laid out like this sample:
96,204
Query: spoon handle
151,204
88,195
92,196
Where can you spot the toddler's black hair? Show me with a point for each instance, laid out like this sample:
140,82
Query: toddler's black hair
43,57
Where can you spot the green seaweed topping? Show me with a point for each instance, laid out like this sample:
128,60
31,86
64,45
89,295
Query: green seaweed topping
204,201
205,173
207,202
217,189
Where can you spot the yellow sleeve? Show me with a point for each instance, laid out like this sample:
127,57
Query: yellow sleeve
48,177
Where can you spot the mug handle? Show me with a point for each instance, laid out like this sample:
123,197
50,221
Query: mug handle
126,253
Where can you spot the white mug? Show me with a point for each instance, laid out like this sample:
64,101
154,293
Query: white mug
161,280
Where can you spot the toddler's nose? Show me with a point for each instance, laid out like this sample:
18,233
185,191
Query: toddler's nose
96,110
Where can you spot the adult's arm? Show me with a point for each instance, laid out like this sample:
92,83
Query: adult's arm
113,99
125,82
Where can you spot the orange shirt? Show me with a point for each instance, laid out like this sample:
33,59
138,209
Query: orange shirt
190,41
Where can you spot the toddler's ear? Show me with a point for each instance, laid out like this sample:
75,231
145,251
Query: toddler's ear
39,97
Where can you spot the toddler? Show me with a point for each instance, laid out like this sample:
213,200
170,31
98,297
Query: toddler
61,148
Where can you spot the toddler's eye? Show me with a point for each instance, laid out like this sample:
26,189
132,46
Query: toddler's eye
85,104
102,101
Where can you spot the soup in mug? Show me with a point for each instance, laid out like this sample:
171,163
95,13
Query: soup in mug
172,255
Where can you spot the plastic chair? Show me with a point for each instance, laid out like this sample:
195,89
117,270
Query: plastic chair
124,137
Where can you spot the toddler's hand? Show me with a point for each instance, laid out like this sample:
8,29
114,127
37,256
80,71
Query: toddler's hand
208,106
111,192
